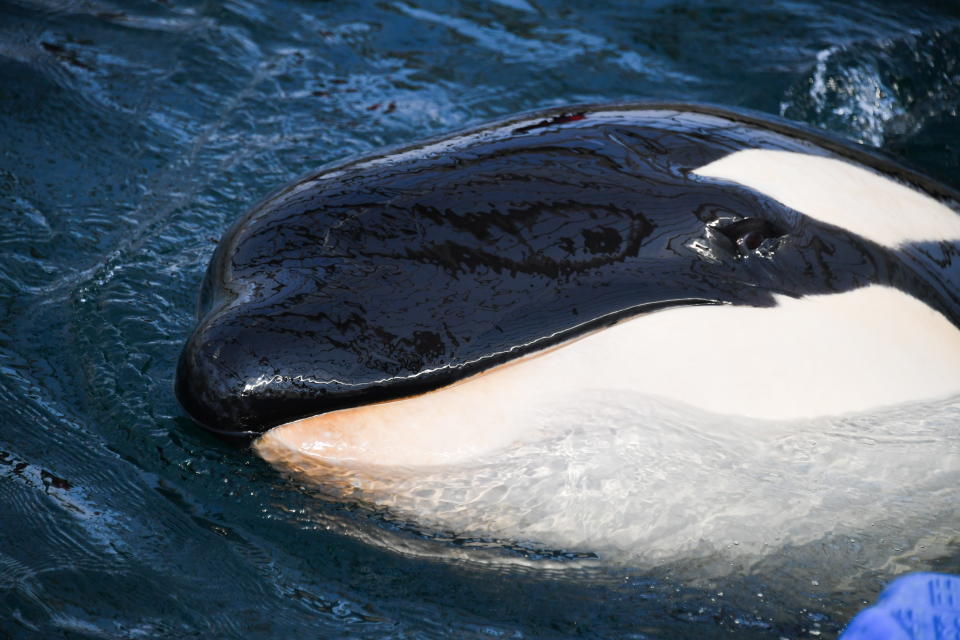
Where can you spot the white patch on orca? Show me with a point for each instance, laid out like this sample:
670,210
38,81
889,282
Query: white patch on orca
842,194
574,450
815,356
637,481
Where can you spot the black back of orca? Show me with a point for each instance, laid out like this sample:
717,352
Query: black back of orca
398,274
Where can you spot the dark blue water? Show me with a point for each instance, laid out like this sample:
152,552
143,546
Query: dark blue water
131,134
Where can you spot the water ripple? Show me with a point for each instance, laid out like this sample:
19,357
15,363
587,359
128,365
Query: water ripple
876,91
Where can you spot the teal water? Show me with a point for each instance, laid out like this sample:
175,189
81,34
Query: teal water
132,134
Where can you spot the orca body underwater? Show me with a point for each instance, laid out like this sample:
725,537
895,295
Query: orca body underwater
406,308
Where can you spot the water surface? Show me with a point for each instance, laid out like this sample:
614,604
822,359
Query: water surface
132,134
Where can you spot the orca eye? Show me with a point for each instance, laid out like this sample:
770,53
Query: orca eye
750,240
749,234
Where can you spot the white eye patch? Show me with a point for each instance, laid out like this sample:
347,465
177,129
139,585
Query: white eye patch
841,194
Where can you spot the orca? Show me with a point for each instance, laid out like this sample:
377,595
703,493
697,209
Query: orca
411,307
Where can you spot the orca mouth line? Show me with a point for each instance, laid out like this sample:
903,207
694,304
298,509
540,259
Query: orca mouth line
478,365
451,373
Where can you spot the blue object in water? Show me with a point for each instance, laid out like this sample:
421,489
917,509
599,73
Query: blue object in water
920,606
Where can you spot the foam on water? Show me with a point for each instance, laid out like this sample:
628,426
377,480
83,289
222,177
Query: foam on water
640,480
880,90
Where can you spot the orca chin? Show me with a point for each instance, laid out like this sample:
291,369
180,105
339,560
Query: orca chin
415,306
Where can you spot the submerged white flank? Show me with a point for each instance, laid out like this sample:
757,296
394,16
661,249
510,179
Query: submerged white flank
841,194
819,355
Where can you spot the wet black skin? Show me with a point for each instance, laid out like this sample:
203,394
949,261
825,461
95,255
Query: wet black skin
367,282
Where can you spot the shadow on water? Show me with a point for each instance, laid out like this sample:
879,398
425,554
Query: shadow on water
133,133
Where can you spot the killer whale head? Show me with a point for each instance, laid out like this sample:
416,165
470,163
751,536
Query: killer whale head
399,274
